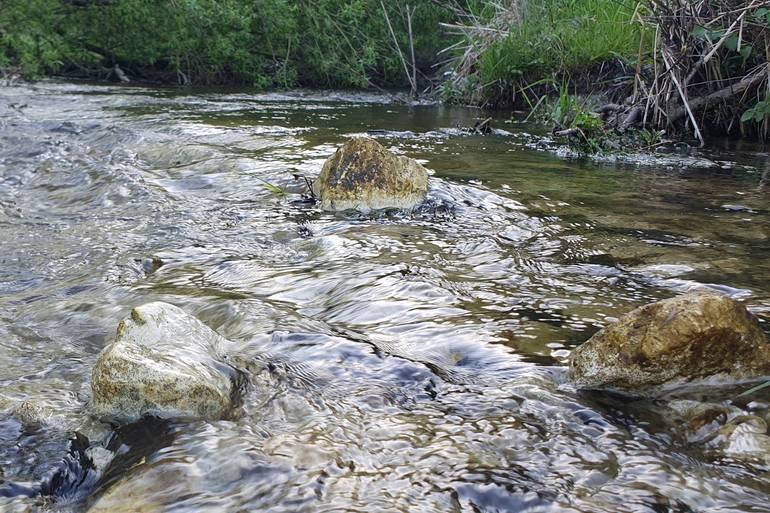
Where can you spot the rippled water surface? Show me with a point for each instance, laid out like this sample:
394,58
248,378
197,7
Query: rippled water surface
416,359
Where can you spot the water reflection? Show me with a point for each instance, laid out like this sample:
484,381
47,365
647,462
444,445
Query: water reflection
397,362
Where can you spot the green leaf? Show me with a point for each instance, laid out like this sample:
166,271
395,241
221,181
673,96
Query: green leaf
704,33
754,389
762,15
758,112
731,43
274,189
746,51
747,116
700,32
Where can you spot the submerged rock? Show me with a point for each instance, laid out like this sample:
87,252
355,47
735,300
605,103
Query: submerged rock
165,363
123,486
721,430
127,497
30,413
363,175
687,338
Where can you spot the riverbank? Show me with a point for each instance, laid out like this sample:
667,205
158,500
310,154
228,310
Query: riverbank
688,70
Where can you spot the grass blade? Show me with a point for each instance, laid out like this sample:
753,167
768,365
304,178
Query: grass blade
754,389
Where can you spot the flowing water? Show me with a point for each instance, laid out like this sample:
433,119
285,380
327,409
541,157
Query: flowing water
417,360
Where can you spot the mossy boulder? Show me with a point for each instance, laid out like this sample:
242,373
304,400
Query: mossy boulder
164,363
689,338
363,175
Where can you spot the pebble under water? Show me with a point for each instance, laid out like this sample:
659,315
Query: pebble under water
401,361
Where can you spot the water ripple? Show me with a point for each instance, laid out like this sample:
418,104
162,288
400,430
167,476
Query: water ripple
396,361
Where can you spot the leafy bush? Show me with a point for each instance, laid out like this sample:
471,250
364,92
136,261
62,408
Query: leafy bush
268,43
31,37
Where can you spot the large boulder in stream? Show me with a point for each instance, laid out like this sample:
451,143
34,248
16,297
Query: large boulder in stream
164,363
689,338
363,175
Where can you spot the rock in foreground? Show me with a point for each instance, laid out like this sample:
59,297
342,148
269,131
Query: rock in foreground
363,175
165,363
687,338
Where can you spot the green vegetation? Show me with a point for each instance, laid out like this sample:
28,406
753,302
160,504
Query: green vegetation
569,37
329,43
711,67
584,130
515,50
265,43
587,132
28,41
691,67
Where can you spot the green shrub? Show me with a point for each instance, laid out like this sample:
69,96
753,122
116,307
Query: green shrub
267,43
31,37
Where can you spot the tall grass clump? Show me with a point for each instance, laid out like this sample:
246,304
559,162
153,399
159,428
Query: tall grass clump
509,48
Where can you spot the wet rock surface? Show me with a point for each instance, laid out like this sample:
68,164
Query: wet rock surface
364,175
692,337
164,363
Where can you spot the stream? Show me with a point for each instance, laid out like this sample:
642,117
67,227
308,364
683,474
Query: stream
417,359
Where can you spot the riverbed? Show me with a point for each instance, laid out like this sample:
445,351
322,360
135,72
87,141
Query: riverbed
416,359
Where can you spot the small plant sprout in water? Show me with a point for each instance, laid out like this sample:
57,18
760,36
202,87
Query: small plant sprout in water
273,188
307,196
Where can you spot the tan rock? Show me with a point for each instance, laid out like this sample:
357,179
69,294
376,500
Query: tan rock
165,363
687,338
363,175
129,496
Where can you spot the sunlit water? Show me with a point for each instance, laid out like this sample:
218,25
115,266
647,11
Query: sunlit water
416,359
